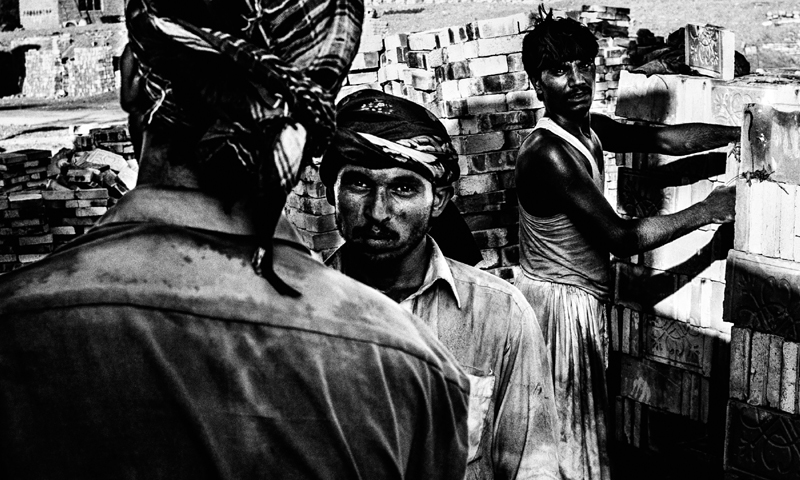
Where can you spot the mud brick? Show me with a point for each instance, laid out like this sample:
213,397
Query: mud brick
635,340
393,56
741,235
500,45
786,221
25,200
8,258
361,78
457,70
469,87
453,108
484,66
453,126
525,100
31,257
488,162
526,21
12,158
759,366
498,27
507,82
365,61
507,120
495,238
474,184
789,371
462,51
422,79
417,59
491,258
63,231
472,144
311,223
483,202
437,58
770,218
487,104
625,340
710,50
314,206
58,195
774,371
422,41
90,211
771,142
36,239
515,62
651,383
507,179
370,43
4,202
90,193
397,40
26,222
79,221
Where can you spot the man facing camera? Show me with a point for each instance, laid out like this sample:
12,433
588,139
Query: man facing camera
183,337
389,173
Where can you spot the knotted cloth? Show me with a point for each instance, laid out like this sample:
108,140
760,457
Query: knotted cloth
378,130
254,82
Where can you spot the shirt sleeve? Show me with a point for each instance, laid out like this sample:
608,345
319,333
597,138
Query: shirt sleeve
526,426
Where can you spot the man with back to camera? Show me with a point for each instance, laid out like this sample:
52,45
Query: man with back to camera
389,173
568,229
178,338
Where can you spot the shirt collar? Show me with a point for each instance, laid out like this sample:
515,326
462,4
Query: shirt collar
437,269
191,209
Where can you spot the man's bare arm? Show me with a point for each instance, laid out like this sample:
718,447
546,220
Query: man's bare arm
553,164
681,139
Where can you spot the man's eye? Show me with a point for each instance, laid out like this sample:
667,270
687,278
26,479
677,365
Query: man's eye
585,65
357,185
559,71
404,190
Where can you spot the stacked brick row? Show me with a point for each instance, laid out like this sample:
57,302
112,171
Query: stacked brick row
669,302
23,170
762,299
90,72
32,224
472,78
44,73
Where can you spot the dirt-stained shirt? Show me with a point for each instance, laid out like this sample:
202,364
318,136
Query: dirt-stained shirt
492,331
149,348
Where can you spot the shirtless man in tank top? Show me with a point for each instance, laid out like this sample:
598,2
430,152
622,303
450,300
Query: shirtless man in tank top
568,228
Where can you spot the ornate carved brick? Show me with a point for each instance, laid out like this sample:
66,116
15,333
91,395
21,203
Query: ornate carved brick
652,383
771,142
677,343
762,443
710,50
763,294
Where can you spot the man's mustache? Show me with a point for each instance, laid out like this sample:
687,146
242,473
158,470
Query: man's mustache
375,230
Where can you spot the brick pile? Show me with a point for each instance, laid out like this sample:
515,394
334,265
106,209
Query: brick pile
473,79
47,201
762,296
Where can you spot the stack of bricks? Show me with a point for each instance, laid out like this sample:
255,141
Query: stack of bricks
90,72
472,78
71,212
762,299
669,334
24,232
23,170
44,73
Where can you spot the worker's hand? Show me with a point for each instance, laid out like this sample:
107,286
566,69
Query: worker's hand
720,205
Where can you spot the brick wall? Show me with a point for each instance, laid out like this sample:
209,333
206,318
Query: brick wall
670,338
472,78
44,72
762,299
86,71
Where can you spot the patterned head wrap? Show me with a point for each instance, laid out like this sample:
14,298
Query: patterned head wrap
377,130
253,81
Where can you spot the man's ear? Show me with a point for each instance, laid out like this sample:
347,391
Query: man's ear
441,195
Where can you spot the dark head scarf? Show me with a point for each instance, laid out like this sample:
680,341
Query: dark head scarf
253,82
377,130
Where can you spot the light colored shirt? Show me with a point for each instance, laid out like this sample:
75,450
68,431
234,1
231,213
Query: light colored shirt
149,348
492,331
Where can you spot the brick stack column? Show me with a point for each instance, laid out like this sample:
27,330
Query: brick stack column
762,300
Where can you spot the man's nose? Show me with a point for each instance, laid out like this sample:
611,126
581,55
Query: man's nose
575,75
378,207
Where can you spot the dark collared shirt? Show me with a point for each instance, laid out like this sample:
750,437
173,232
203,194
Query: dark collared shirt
148,348
492,331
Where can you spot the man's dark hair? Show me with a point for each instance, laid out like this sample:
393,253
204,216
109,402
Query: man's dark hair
554,41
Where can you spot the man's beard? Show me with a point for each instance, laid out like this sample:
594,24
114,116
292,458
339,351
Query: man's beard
380,256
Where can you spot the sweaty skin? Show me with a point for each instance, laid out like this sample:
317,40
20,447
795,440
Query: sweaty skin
562,176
